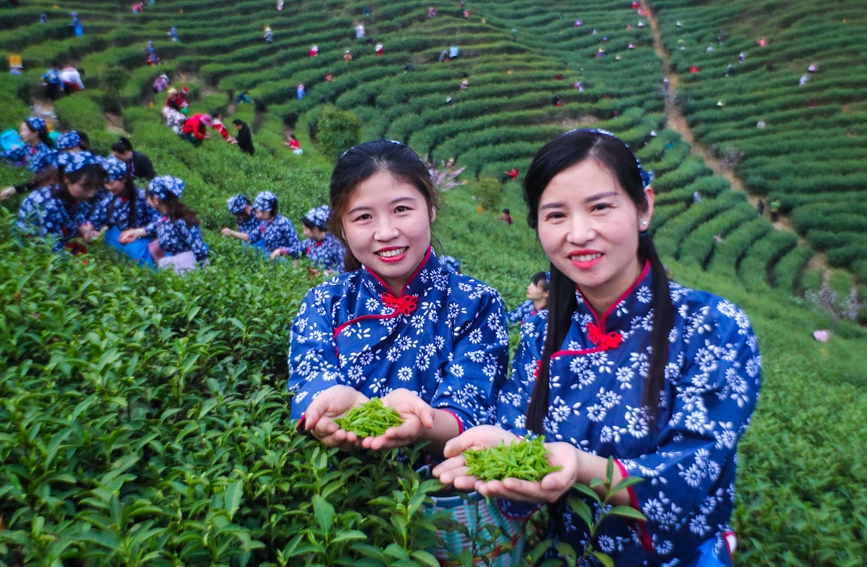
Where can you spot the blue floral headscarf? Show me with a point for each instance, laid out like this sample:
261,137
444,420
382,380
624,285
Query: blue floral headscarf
116,168
68,140
36,124
72,162
319,217
265,201
237,204
451,263
161,186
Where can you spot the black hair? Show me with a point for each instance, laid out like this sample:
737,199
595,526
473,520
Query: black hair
309,223
238,121
84,144
507,211
178,210
91,176
122,146
359,164
131,195
556,156
541,279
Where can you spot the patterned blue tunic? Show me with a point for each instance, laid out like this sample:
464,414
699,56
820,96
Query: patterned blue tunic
37,157
43,214
176,237
521,312
95,210
328,252
250,226
444,339
120,215
688,461
278,233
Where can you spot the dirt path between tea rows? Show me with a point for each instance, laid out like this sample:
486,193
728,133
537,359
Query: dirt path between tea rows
677,121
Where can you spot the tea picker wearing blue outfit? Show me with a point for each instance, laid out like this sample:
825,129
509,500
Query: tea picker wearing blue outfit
179,244
34,149
125,207
241,207
276,234
537,299
321,247
397,325
624,364
56,212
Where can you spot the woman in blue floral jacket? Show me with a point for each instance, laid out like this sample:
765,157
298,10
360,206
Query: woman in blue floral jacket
397,325
624,364
181,246
321,247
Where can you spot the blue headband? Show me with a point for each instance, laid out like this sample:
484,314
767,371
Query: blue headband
161,186
319,216
237,203
68,140
36,124
265,201
115,168
646,178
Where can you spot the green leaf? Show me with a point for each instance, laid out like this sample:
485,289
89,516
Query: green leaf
603,558
626,482
582,509
587,491
233,497
627,512
425,558
349,535
324,513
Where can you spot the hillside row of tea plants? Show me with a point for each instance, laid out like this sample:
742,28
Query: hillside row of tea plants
811,153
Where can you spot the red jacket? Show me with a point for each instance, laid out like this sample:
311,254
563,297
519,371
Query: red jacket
194,126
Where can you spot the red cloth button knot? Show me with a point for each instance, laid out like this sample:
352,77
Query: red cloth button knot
404,305
601,340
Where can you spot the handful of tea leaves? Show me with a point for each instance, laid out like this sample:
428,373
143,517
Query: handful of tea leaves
525,460
369,420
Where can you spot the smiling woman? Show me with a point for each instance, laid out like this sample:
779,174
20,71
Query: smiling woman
624,364
431,343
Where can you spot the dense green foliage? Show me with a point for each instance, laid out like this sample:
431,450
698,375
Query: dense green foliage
143,417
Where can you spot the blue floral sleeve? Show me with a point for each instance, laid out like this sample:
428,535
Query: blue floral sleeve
313,363
289,239
517,314
477,370
716,387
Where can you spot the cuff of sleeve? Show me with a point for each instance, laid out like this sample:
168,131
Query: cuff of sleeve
517,510
643,534
457,418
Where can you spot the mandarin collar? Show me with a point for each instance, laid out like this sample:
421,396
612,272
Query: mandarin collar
635,302
413,286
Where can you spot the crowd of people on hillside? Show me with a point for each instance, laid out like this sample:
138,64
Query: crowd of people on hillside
76,197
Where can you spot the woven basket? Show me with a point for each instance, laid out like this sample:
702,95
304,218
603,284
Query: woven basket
475,512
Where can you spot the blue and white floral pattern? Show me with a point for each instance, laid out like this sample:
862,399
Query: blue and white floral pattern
277,233
521,312
687,459
327,252
445,339
37,157
45,215
175,237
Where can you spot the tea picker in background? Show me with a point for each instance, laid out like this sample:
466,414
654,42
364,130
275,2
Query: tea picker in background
276,232
137,163
70,76
179,245
173,33
506,217
537,299
196,128
161,83
244,137
269,35
67,143
76,25
242,98
34,146
126,208
618,368
294,145
217,124
432,343
53,83
54,211
321,247
241,207
174,119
